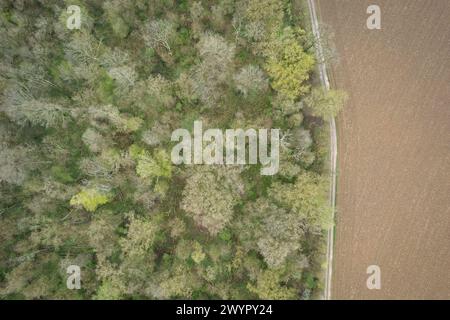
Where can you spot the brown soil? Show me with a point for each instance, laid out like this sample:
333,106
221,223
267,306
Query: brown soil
394,148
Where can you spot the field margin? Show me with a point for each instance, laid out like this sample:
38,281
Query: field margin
323,75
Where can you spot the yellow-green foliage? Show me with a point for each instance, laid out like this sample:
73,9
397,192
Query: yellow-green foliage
90,199
107,291
307,197
135,151
289,65
155,166
198,255
326,103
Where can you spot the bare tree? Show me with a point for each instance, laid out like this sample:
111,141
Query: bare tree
159,33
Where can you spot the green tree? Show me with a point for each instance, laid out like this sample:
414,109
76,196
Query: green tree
156,166
326,103
141,235
179,284
90,199
308,197
268,12
269,287
198,255
210,195
108,291
288,65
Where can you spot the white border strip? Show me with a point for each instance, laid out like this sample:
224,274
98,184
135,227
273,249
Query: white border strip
333,148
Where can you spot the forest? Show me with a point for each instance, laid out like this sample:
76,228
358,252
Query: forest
86,178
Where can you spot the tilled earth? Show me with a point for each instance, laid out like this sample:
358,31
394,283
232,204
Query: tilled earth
394,148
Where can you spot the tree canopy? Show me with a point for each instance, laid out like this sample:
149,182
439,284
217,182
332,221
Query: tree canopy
86,179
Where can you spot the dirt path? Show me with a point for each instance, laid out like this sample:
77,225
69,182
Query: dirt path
323,74
394,148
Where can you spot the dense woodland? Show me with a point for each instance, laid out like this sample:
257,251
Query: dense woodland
86,179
